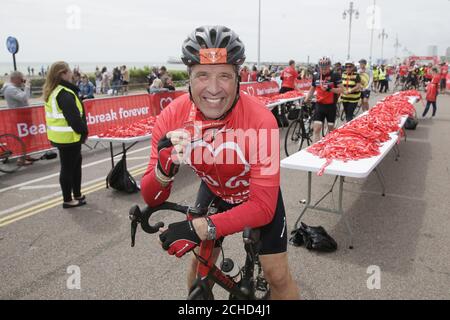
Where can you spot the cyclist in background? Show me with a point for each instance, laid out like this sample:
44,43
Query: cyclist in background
194,129
326,84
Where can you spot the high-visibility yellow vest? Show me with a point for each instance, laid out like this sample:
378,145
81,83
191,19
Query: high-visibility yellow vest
382,75
376,74
349,82
58,129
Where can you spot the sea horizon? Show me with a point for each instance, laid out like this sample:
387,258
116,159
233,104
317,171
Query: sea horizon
89,67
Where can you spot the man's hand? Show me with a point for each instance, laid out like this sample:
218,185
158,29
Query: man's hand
179,238
179,139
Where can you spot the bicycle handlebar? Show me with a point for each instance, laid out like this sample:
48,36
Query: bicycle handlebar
137,216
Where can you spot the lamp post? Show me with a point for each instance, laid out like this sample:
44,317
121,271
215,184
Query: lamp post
383,35
396,46
372,31
350,13
259,35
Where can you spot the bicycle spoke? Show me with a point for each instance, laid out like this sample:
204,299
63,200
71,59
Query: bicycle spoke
12,153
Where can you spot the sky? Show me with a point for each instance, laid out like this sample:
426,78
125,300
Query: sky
140,31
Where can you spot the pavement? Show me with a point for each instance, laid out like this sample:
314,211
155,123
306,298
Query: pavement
403,236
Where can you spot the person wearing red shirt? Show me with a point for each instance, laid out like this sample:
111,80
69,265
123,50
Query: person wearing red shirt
244,74
254,74
288,77
444,74
432,92
327,85
231,142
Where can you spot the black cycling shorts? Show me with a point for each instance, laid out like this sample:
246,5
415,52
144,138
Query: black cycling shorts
365,94
273,235
325,111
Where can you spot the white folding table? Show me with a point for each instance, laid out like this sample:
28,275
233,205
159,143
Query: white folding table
132,141
305,161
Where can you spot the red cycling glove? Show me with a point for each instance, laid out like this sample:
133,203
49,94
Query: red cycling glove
167,158
179,238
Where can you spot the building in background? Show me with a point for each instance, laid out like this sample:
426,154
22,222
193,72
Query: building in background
432,51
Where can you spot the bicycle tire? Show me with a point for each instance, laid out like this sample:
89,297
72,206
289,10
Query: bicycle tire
295,138
12,155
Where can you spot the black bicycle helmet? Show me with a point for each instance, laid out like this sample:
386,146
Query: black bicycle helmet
213,45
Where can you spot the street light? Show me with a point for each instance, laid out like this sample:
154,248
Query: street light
350,13
259,35
396,46
383,35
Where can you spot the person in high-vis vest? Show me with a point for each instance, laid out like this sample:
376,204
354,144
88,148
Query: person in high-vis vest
376,74
66,129
351,83
382,77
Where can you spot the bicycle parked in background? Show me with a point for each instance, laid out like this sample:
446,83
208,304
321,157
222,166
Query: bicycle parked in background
12,153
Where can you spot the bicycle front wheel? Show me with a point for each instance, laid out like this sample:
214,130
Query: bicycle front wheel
295,138
12,153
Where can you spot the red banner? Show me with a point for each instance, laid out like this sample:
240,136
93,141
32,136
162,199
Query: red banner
29,123
303,85
260,88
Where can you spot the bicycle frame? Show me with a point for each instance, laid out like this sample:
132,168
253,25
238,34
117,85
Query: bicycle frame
206,268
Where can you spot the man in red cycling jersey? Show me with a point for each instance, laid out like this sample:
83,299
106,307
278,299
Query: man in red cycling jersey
327,85
288,77
231,141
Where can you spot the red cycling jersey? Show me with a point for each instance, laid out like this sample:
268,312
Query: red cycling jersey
403,70
238,159
289,75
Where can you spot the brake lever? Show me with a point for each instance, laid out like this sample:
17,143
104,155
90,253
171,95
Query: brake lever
135,217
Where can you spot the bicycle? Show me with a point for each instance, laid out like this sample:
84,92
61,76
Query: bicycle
300,130
12,153
248,287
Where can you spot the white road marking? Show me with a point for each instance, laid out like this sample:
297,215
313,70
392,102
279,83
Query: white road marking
40,186
57,173
50,196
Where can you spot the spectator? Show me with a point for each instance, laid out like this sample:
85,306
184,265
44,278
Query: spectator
157,86
383,79
32,72
76,77
67,130
244,74
86,88
17,92
254,74
151,77
29,71
432,92
125,79
105,80
116,81
265,75
444,74
169,84
288,77
164,76
98,80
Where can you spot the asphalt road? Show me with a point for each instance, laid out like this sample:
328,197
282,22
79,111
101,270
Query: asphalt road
405,234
